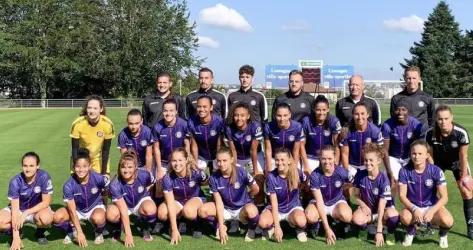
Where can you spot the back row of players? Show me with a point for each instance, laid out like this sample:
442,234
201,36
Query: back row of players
186,148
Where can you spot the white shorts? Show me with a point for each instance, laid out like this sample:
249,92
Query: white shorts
329,209
313,164
285,216
374,217
136,209
396,164
202,164
230,214
86,216
248,164
29,218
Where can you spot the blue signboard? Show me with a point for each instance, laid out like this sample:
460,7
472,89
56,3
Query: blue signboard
277,76
335,75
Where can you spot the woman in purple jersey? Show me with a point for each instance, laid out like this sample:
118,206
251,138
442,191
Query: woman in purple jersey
327,183
372,191
232,201
182,193
283,185
130,196
82,194
423,192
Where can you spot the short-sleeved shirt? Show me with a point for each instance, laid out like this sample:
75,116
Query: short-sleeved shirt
331,187
371,191
184,188
86,196
233,196
30,195
92,137
355,140
401,136
138,144
287,199
170,137
283,138
132,193
319,135
242,139
206,135
446,151
422,187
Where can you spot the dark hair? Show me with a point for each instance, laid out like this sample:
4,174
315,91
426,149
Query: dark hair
90,98
206,97
205,69
351,124
321,99
243,105
246,69
295,72
170,101
134,112
283,105
233,174
327,147
30,154
164,74
82,153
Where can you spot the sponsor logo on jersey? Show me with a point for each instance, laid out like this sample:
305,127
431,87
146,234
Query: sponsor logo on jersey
214,101
368,140
236,185
409,135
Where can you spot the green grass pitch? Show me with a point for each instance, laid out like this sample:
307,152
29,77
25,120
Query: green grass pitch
47,133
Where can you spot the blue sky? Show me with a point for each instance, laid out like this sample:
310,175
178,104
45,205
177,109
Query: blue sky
371,35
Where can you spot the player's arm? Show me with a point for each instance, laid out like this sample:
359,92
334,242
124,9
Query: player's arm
171,204
344,155
219,211
105,155
45,202
71,209
254,156
74,149
231,145
275,212
335,138
149,157
194,149
319,203
296,152
16,226
122,207
304,158
268,155
463,160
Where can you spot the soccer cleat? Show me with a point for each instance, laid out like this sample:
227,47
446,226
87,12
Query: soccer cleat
68,239
182,227
157,228
234,227
197,234
116,235
147,235
408,240
443,242
267,234
98,239
301,235
250,235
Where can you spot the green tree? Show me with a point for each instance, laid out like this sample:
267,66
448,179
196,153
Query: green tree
465,58
435,53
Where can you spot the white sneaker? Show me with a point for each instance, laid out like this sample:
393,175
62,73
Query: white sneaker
408,240
301,235
98,239
250,235
67,240
443,242
234,227
267,234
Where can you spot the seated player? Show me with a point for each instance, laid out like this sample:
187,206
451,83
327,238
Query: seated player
30,197
130,196
228,186
283,186
423,192
83,197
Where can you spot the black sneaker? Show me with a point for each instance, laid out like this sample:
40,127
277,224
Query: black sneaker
157,228
116,235
197,234
469,232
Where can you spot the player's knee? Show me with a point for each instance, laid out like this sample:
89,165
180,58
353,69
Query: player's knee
44,219
59,217
113,215
251,211
406,217
189,212
98,218
300,220
148,208
163,212
359,219
265,222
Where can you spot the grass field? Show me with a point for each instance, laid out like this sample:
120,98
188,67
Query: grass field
47,133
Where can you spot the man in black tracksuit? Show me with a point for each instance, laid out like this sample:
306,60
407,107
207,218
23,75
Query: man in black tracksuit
344,106
301,102
218,98
153,103
246,94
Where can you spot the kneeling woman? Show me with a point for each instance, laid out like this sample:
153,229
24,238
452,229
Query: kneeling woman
283,185
130,196
327,184
232,201
182,193
423,192
83,196
372,191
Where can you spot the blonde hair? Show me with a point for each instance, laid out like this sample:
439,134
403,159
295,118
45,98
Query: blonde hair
292,174
189,161
233,174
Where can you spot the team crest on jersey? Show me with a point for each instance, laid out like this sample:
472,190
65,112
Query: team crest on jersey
213,132
94,190
409,135
253,102
421,104
141,189
368,140
236,185
454,144
338,184
37,189
143,143
191,183
292,138
375,191
303,105
429,182
326,132
178,134
99,134
248,137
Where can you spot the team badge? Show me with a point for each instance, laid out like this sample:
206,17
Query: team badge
37,189
429,182
292,138
141,189
214,101
421,104
143,143
94,190
375,191
338,184
454,144
178,134
191,183
409,135
303,105
326,132
253,102
99,134
236,185
248,137
368,140
213,132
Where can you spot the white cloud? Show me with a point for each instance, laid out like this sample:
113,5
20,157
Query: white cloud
224,17
411,23
205,41
298,26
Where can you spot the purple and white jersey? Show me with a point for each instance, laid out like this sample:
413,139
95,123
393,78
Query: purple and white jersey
287,199
85,196
331,187
132,193
170,138
422,188
207,135
283,138
184,188
30,195
401,136
242,139
233,196
138,144
319,135
371,191
355,140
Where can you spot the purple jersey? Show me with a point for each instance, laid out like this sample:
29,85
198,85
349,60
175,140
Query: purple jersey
86,196
138,143
287,200
207,135
355,140
242,139
184,188
331,187
319,135
371,191
170,138
283,138
233,196
132,193
422,188
401,136
30,195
